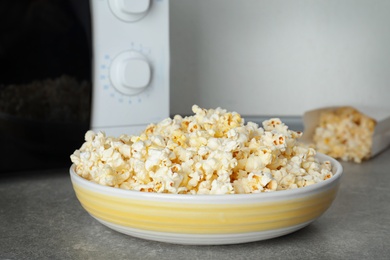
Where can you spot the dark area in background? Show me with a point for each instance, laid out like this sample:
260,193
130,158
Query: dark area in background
45,82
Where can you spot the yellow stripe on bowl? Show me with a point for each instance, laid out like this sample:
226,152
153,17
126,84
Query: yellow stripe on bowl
203,218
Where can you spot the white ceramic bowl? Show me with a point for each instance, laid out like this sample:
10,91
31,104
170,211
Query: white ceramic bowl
207,219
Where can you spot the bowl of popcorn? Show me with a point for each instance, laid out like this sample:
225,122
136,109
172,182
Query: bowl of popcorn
205,179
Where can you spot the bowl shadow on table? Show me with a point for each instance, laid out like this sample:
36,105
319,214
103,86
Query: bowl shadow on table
304,234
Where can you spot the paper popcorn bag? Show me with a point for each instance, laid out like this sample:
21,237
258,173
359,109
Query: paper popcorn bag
348,133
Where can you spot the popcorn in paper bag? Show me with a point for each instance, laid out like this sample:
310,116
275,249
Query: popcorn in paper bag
348,133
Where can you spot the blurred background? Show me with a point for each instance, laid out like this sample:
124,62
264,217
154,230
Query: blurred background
279,57
45,81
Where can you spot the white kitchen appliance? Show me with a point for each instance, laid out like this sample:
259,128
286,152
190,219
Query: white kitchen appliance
130,64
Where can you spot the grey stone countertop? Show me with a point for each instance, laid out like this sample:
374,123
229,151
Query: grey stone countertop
41,218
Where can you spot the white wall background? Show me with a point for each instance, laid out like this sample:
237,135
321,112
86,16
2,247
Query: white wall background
279,57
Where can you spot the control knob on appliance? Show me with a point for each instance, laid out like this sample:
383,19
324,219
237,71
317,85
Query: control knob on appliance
129,10
130,73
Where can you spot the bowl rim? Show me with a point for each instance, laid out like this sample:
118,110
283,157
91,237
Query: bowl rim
337,170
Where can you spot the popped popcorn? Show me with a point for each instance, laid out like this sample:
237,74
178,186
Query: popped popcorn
345,133
210,152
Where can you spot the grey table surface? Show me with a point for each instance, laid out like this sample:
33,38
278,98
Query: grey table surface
41,218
